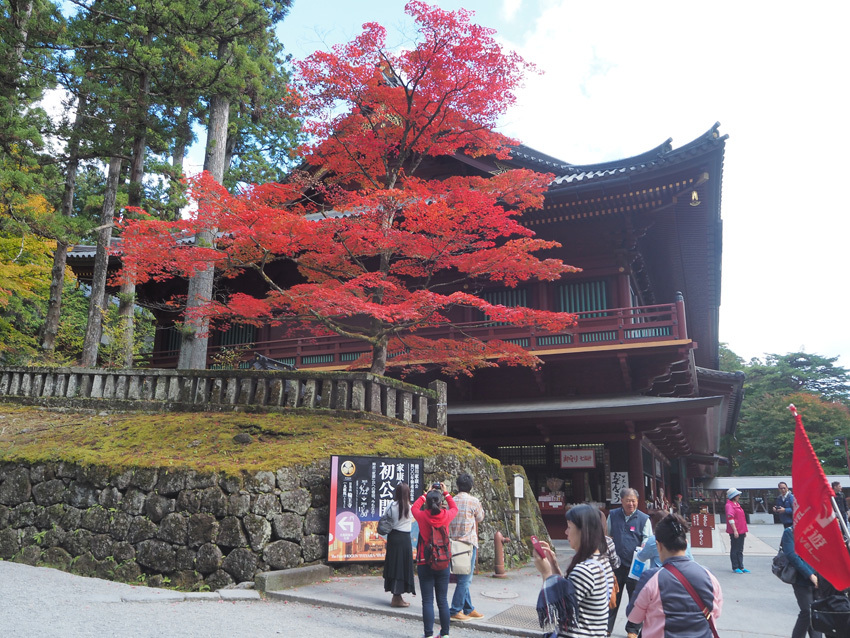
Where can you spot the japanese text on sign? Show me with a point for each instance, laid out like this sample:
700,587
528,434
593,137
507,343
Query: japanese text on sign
578,459
619,480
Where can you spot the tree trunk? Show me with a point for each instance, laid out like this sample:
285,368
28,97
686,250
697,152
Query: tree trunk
379,358
181,141
21,17
60,255
94,327
127,295
193,348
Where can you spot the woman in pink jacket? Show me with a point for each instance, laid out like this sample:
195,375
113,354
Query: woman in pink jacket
736,527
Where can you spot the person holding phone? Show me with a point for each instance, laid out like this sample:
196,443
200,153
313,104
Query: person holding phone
577,604
429,513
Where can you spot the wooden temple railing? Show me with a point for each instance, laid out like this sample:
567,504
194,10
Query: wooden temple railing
201,390
611,326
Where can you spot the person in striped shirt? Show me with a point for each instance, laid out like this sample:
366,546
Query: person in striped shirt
578,604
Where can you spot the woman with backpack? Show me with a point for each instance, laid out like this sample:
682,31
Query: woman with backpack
398,563
804,586
433,558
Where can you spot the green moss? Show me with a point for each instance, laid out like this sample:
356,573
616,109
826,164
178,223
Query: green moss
204,441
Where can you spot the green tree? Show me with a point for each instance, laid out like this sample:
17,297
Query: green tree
798,372
764,441
766,433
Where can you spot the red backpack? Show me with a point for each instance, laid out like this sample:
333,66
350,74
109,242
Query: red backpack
437,553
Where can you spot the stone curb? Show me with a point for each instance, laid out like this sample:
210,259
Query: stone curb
480,625
160,596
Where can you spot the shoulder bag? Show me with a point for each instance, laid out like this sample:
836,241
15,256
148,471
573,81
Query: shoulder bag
783,569
385,524
703,609
461,557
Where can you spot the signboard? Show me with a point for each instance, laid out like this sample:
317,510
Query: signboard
700,537
578,459
619,480
702,520
362,488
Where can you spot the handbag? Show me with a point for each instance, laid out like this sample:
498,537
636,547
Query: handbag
638,567
706,612
783,569
385,524
831,615
612,604
461,558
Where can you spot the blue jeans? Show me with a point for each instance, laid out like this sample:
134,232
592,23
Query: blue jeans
430,583
461,600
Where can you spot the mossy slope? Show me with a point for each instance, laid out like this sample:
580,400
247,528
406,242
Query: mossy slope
204,441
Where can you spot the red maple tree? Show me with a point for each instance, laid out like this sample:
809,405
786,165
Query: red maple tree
381,253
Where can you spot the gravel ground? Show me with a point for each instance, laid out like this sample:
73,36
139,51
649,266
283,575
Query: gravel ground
41,602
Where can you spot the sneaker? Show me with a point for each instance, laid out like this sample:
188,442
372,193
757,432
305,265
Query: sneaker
473,615
745,571
738,571
460,617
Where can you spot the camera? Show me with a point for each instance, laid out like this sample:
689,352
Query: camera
436,486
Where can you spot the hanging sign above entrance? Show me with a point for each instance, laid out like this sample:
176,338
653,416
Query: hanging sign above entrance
578,459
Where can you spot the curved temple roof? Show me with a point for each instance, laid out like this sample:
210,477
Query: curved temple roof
662,155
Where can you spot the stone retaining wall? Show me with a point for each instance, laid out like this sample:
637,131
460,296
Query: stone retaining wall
197,531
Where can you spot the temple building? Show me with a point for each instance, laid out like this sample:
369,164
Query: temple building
632,395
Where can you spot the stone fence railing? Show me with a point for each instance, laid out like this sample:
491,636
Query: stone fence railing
205,390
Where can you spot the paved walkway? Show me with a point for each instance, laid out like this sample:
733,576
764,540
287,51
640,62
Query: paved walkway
756,605
42,602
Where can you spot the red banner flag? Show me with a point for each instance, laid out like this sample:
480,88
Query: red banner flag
817,535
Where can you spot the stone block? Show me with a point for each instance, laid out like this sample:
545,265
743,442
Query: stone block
288,526
209,558
95,519
297,577
174,529
258,530
282,555
157,507
297,500
202,528
266,505
171,482
157,556
16,488
230,533
241,563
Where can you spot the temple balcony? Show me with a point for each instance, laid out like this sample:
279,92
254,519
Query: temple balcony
598,330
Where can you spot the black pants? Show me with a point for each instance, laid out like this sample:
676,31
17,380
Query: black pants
804,593
626,584
736,552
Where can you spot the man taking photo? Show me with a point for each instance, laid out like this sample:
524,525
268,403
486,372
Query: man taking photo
784,505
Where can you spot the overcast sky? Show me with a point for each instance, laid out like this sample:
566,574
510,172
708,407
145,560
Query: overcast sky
622,77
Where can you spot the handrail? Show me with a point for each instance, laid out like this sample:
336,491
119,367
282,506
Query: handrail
202,390
632,325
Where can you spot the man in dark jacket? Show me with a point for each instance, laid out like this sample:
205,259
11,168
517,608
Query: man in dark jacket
784,505
839,499
629,528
